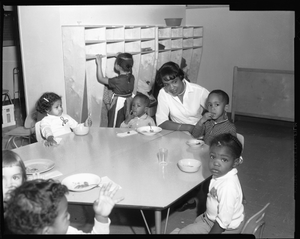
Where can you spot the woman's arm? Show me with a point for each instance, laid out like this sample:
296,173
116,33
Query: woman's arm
101,79
170,125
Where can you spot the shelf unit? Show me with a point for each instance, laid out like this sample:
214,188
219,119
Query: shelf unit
151,47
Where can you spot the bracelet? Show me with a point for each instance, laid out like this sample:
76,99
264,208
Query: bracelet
178,127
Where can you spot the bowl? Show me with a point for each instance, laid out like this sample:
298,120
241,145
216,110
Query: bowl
189,165
173,22
195,143
81,129
145,130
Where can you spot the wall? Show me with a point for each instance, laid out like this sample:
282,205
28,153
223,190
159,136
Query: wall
41,42
251,39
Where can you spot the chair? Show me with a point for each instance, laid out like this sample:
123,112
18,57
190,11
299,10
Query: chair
5,93
241,139
255,223
38,133
24,132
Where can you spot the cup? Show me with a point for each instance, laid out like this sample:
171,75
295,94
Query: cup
162,155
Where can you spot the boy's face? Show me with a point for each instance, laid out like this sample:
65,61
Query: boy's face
62,221
138,107
216,106
12,177
221,160
56,109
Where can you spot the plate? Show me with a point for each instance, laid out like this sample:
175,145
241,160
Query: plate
195,143
145,130
81,182
38,165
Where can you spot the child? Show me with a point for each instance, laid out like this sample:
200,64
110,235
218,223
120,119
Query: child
138,115
122,86
13,172
41,207
215,121
224,209
56,122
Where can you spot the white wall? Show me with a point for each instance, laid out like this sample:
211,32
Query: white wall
251,39
41,42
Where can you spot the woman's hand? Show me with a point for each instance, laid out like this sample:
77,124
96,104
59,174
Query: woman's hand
105,203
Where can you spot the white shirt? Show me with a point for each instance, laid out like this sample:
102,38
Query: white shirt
188,112
137,122
99,228
224,200
57,125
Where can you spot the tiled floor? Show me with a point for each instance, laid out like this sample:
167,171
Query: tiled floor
267,175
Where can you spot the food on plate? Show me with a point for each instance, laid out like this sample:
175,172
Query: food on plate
31,170
85,184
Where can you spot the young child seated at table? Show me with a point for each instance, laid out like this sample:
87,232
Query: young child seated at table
56,123
13,172
120,88
224,208
138,116
215,121
41,207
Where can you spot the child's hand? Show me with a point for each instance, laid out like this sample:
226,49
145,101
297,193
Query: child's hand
88,122
98,59
50,141
105,203
206,116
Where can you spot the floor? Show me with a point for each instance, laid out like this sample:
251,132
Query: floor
266,175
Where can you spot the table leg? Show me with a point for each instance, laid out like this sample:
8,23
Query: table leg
158,222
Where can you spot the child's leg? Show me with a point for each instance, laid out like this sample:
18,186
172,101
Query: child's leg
202,225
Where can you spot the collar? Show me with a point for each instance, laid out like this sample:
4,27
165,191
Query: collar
144,116
231,173
188,87
220,121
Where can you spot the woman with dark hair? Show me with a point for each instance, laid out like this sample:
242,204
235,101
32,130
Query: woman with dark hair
180,102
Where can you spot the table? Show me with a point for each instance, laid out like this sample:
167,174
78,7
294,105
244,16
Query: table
131,162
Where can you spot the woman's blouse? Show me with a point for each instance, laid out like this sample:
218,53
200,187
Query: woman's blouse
188,112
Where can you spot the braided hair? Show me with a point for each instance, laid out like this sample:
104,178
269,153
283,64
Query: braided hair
46,101
230,141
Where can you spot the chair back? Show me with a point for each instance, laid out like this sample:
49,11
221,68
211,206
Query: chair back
241,139
38,133
256,222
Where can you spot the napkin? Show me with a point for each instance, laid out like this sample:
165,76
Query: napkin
128,133
105,180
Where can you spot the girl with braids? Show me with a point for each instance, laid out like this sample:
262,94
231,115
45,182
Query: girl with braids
224,208
56,122
118,90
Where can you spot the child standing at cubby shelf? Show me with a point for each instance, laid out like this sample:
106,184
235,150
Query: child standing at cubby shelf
118,103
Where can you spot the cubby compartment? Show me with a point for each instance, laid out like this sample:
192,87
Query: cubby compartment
163,57
176,56
133,47
93,34
132,32
198,31
164,32
114,33
148,32
188,31
176,43
147,45
94,49
197,41
176,32
113,48
165,44
187,42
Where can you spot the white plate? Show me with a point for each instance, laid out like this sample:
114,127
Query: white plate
145,130
38,165
73,182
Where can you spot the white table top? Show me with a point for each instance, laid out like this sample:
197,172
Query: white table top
131,162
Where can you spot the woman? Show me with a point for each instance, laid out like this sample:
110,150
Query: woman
180,103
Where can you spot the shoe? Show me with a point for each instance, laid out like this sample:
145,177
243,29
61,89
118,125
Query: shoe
187,206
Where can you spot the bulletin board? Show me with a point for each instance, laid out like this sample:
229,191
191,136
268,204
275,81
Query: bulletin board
263,93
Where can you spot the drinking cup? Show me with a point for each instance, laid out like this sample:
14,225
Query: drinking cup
162,155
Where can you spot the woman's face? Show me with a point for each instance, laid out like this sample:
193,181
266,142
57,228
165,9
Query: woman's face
12,177
173,87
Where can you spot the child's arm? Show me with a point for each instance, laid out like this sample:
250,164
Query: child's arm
105,203
216,229
101,79
199,128
129,117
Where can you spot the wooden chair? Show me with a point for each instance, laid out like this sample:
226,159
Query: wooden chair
256,223
241,139
23,132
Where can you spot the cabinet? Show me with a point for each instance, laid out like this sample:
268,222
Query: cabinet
151,47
